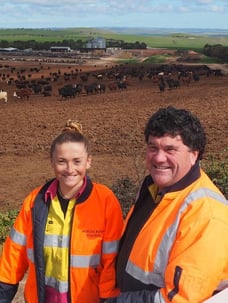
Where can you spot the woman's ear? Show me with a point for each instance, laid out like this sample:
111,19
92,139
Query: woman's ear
51,163
89,161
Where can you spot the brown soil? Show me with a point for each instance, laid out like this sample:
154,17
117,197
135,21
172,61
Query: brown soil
114,122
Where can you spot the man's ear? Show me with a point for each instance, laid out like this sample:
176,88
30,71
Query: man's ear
194,156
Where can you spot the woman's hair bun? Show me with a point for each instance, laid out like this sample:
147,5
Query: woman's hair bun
72,125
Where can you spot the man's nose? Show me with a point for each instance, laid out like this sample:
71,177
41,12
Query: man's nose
160,155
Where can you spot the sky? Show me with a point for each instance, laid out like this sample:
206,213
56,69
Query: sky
114,13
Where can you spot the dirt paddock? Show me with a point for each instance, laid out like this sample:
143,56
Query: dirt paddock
113,121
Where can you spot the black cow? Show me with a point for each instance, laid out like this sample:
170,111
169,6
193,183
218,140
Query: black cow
67,91
101,87
172,83
161,86
77,88
218,73
90,89
122,85
196,77
48,88
37,88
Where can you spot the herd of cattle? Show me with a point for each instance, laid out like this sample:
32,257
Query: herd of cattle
76,82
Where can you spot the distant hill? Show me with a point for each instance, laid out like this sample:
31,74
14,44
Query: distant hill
146,31
172,38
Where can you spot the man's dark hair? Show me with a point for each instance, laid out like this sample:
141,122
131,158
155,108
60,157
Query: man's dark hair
171,121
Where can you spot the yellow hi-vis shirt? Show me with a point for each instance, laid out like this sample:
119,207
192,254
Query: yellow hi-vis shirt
56,246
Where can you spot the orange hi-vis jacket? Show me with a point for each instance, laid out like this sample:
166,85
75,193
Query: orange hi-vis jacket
179,253
96,229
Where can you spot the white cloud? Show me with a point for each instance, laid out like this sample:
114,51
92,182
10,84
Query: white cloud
215,8
205,1
184,9
80,13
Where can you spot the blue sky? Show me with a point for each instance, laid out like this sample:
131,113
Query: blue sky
114,13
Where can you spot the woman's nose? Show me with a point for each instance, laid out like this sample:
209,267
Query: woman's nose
70,167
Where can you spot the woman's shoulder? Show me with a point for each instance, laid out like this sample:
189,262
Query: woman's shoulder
102,187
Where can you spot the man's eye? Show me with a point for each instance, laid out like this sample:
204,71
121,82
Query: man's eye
171,150
152,148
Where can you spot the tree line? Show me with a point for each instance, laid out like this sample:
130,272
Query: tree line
73,44
216,51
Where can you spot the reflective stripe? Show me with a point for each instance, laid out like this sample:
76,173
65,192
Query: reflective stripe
56,241
30,254
76,261
84,261
166,243
17,237
206,192
143,276
110,247
158,297
80,261
60,286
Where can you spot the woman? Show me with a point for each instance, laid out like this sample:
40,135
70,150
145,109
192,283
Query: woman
66,234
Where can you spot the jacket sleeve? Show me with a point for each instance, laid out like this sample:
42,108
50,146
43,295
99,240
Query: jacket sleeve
113,229
198,260
7,292
14,259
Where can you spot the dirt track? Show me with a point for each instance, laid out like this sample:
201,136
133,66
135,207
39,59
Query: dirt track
113,121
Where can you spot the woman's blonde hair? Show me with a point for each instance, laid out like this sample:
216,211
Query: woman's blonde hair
72,132
72,125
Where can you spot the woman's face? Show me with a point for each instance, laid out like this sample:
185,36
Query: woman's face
70,162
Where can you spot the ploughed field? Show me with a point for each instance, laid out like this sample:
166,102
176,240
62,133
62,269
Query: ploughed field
113,119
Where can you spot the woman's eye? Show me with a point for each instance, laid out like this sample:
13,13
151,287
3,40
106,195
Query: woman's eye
77,162
61,161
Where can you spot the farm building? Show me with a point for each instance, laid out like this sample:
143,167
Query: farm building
60,49
99,43
8,49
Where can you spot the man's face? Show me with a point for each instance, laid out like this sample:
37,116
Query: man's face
168,159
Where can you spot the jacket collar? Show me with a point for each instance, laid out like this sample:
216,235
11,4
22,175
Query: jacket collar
81,196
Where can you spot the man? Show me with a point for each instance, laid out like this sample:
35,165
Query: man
175,244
